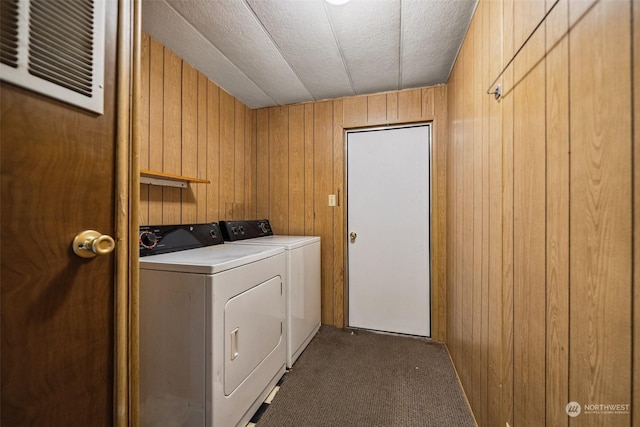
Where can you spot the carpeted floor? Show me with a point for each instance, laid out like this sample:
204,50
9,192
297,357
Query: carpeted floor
361,378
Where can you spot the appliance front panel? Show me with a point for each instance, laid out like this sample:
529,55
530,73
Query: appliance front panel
253,329
172,348
304,297
237,408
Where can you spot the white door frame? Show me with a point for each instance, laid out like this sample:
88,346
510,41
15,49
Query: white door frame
346,213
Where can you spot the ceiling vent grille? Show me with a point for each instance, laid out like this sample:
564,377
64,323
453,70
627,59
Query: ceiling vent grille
55,48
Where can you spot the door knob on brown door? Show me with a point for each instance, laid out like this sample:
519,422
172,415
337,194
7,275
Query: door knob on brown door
90,243
353,236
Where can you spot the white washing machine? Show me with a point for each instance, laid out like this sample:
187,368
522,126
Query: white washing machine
211,326
302,279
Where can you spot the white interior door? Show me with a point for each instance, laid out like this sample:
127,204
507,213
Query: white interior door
388,211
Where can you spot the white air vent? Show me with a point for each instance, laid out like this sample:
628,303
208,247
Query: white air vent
55,48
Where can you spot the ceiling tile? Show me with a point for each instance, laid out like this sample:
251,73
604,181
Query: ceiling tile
368,32
232,28
432,32
303,34
164,24
269,52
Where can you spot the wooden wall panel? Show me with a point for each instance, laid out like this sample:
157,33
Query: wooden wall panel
456,137
526,15
279,163
392,106
451,209
227,154
557,311
476,242
213,152
293,192
436,98
201,189
410,104
551,192
453,225
156,107
262,166
467,223
376,108
600,218
494,381
428,101
578,9
143,126
339,230
171,142
156,103
238,162
296,170
279,169
635,22
484,76
355,109
189,148
507,217
323,186
186,118
309,196
458,142
250,160
529,215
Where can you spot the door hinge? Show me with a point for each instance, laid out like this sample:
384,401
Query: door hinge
280,288
280,328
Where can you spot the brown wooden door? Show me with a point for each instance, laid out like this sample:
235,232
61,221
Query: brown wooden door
57,166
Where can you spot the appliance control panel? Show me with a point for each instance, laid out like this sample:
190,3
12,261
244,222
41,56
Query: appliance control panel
241,230
162,239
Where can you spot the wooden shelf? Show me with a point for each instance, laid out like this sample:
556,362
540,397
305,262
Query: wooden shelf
169,180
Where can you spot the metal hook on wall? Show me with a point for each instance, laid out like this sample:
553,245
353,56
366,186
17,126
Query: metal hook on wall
496,93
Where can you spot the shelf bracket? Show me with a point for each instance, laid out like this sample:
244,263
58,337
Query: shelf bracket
162,182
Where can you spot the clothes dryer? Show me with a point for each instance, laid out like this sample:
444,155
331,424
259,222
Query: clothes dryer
302,278
211,326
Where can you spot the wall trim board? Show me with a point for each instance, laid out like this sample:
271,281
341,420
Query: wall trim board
464,393
397,122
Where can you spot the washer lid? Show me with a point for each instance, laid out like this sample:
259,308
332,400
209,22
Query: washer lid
289,242
209,260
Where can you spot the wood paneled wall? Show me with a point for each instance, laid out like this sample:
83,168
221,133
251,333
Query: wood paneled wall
193,128
540,215
279,163
636,212
301,161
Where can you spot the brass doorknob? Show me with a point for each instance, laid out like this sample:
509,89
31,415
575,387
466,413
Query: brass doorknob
90,243
353,235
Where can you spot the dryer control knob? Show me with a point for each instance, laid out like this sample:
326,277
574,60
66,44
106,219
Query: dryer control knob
148,239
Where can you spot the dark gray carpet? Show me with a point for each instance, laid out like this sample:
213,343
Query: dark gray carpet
368,379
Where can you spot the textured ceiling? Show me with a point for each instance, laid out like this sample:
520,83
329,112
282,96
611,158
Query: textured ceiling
276,52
